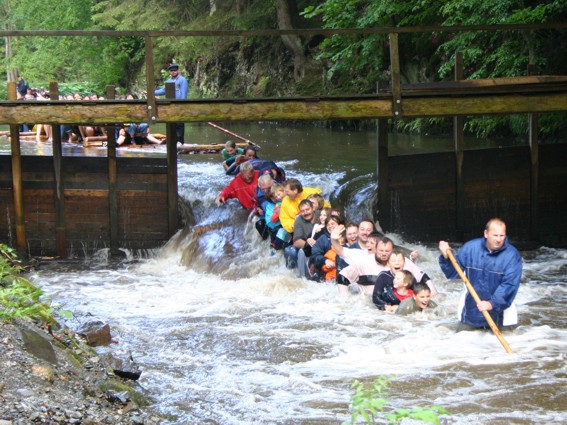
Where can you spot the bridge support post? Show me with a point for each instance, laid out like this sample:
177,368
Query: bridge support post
458,138
171,141
17,182
112,178
534,168
60,231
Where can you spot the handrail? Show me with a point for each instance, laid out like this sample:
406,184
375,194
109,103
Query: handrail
279,32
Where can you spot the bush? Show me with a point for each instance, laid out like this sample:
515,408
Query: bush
369,403
18,297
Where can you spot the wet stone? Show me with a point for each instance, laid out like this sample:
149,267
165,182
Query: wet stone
37,345
96,333
24,392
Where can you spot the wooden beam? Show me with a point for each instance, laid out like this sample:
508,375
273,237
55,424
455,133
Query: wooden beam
68,112
534,169
274,109
112,179
485,105
440,103
384,201
395,76
150,81
171,143
58,180
459,142
307,32
17,181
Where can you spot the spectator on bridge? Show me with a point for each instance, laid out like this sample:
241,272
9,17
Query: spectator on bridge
181,91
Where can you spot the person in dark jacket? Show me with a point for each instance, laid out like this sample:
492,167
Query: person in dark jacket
383,295
494,268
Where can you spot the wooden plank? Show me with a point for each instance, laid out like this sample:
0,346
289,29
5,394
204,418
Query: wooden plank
112,182
459,142
65,112
397,106
151,109
17,180
272,109
59,182
383,163
171,143
534,168
204,110
485,105
534,83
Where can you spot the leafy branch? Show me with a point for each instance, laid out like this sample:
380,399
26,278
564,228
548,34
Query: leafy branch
18,297
369,403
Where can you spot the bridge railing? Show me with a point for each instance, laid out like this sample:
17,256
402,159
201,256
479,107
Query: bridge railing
392,102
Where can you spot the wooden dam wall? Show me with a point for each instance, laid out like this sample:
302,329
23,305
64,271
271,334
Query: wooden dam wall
496,183
142,210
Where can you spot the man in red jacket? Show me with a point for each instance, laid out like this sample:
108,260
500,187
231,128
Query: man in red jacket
242,187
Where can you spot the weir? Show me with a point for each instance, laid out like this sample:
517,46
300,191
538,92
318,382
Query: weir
51,204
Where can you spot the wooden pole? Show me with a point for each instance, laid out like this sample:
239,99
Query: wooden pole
477,299
395,76
534,168
224,130
59,180
382,171
171,143
17,180
112,179
150,80
458,137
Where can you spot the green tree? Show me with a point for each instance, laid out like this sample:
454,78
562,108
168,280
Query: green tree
358,62
101,60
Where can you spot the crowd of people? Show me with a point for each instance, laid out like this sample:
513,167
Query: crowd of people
125,133
323,245
318,241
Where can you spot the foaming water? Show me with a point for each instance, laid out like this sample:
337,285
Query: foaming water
225,334
272,348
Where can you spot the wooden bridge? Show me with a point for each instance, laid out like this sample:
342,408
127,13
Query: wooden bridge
58,202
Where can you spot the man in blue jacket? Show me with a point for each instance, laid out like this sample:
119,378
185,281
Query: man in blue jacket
494,268
181,90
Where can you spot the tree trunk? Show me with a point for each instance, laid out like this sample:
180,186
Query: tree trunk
213,4
286,13
241,6
11,73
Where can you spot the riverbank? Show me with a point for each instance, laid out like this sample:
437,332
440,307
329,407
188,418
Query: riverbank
52,384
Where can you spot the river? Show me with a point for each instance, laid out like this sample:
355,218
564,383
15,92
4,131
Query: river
225,334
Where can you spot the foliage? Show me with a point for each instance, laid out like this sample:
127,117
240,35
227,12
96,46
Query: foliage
99,60
18,297
9,265
369,403
356,62
365,60
498,53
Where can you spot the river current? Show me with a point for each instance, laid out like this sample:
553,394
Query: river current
225,334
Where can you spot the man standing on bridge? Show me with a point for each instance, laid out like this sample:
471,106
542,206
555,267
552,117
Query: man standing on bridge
181,90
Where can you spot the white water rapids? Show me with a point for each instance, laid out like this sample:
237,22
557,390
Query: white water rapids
225,334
